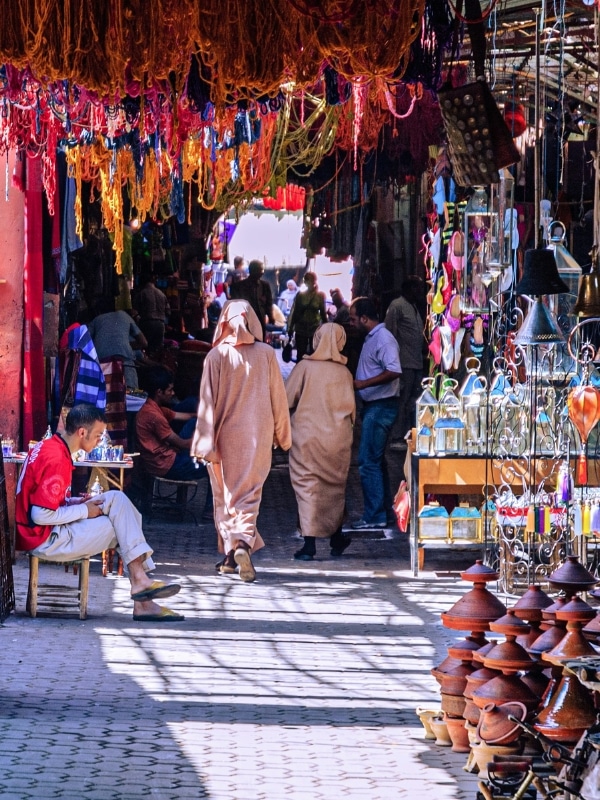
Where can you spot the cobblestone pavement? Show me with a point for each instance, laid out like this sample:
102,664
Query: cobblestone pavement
300,686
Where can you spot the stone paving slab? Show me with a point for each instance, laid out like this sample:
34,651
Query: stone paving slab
301,685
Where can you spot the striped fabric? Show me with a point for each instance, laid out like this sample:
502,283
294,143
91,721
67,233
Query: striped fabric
90,384
116,416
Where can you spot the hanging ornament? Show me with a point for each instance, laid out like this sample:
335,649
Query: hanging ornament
583,403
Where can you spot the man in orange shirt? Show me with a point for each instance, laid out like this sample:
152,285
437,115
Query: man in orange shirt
163,452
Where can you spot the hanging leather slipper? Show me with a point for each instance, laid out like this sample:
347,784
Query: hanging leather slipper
157,590
164,615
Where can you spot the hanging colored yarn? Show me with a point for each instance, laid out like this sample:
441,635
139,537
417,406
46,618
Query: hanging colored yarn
247,48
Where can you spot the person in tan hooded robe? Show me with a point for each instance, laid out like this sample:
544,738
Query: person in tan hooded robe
242,415
320,393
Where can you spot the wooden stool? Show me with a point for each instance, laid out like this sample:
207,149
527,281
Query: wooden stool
168,493
58,598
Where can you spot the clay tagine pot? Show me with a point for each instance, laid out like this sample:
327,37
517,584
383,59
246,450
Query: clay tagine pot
529,608
454,680
463,649
572,577
576,613
510,658
495,727
478,607
453,705
592,630
569,714
554,633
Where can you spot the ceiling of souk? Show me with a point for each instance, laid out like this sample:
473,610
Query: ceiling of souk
235,97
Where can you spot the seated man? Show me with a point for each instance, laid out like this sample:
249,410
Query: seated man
56,527
164,453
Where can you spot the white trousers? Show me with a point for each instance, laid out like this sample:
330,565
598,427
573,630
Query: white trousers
120,525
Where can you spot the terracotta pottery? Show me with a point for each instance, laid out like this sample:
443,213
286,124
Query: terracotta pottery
440,729
592,629
527,639
479,573
452,704
454,680
505,689
477,608
569,714
446,665
537,680
479,655
471,713
576,613
572,577
553,634
471,730
425,715
463,649
478,678
484,753
494,727
509,624
458,734
508,657
529,606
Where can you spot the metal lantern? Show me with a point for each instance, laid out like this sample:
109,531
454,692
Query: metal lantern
473,396
449,428
426,405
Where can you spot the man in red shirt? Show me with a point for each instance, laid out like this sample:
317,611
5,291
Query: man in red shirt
56,527
163,452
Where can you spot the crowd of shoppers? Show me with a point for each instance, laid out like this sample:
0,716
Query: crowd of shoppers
244,411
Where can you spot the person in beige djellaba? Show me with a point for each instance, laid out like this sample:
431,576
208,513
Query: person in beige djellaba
242,415
320,393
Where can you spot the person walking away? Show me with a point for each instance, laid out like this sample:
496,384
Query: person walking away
320,393
56,527
257,292
378,384
154,309
308,312
242,415
405,323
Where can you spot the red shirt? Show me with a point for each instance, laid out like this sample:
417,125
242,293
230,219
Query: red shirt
153,429
45,481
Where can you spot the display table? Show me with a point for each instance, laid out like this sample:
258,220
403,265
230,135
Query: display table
472,475
105,468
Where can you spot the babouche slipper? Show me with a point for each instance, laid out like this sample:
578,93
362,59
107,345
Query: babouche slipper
244,562
164,615
156,591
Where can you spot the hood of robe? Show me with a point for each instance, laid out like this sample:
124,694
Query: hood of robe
238,324
328,341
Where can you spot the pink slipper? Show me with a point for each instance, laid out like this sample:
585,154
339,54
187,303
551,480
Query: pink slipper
435,346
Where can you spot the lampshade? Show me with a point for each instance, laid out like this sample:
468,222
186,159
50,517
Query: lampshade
540,274
539,327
